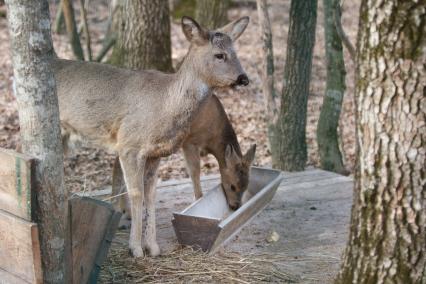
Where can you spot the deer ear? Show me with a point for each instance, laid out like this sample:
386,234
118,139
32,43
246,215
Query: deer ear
249,156
235,28
193,31
230,155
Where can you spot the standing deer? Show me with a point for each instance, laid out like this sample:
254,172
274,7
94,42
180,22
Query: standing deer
145,115
210,132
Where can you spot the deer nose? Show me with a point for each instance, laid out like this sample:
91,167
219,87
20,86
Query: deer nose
242,80
235,206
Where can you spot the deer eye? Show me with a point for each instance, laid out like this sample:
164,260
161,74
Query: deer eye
220,56
233,188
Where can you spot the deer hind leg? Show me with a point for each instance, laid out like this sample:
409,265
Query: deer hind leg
192,158
150,181
133,166
120,203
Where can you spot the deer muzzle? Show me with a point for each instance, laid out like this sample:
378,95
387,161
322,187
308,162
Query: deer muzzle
242,80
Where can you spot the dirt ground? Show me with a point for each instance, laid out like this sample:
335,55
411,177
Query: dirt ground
90,168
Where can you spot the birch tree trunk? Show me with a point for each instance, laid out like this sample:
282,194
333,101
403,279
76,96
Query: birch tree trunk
387,241
288,136
212,14
144,40
327,134
32,52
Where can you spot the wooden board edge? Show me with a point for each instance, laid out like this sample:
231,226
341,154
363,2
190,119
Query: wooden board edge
37,265
22,167
14,153
181,223
104,247
254,210
9,278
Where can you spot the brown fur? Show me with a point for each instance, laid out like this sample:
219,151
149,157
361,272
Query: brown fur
144,115
211,132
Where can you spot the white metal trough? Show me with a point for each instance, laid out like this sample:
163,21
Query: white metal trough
208,223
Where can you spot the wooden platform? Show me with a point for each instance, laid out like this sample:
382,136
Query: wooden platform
310,212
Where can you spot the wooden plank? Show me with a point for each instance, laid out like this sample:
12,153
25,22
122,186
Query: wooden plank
92,226
8,278
20,248
200,224
321,177
174,182
235,222
315,183
15,183
104,248
198,232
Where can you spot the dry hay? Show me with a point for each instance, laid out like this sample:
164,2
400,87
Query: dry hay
186,265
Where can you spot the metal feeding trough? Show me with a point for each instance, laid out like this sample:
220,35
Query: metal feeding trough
208,223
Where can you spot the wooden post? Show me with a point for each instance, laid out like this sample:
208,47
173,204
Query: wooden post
35,90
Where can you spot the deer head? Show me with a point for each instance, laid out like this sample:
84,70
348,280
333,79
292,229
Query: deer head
212,55
235,174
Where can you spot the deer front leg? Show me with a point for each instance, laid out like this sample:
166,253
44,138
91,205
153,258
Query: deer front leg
150,181
192,158
133,166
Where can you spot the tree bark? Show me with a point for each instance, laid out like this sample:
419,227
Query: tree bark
387,241
327,134
287,136
86,29
144,40
115,21
268,68
35,88
212,14
72,29
59,20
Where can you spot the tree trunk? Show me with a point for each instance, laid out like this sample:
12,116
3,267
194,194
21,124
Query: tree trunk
59,20
287,136
72,29
86,29
212,14
115,21
32,52
144,40
387,241
268,86
327,134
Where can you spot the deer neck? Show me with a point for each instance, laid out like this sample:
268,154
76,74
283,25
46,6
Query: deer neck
188,84
218,148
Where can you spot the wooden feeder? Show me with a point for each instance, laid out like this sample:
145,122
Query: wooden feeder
208,223
90,229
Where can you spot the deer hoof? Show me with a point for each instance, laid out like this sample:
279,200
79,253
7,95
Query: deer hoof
136,252
153,249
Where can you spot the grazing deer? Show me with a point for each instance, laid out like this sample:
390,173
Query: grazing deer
210,132
145,115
